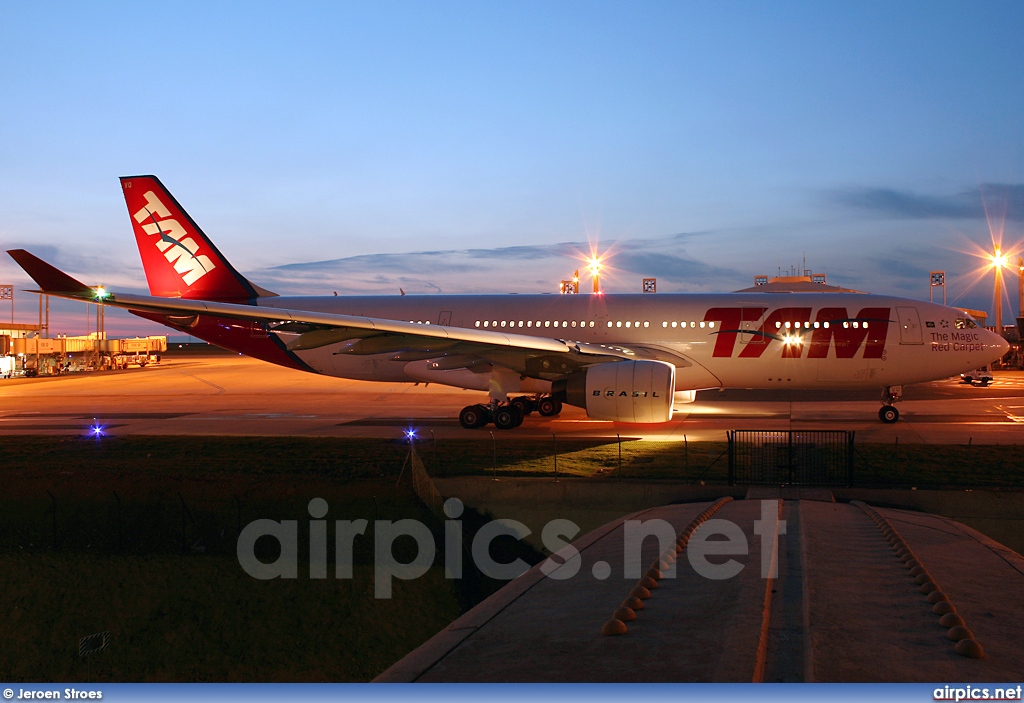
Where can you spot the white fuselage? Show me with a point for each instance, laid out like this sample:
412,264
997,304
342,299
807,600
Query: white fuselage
730,340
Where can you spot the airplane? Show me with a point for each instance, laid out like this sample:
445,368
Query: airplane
621,357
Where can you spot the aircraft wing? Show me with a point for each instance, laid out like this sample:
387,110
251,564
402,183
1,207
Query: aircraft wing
363,335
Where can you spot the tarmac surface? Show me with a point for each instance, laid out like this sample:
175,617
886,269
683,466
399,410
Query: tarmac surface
844,606
235,395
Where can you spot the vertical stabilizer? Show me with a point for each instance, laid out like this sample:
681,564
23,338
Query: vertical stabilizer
179,259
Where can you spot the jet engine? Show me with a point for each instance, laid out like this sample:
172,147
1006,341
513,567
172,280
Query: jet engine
625,391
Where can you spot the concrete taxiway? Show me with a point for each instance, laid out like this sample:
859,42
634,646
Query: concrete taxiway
835,593
234,395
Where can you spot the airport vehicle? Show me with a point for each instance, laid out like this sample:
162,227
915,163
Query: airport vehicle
627,358
982,374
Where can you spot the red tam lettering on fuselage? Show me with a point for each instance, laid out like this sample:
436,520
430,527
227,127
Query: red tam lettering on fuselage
791,327
730,322
784,322
870,324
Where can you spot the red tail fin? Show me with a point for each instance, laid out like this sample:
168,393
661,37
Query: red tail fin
180,261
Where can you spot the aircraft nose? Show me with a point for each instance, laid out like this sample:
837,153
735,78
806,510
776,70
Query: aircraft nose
998,344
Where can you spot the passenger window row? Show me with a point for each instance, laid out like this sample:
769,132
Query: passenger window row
531,323
692,324
585,323
855,324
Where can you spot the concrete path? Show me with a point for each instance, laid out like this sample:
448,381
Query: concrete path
842,607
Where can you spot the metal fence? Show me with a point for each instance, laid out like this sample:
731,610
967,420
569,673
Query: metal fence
803,457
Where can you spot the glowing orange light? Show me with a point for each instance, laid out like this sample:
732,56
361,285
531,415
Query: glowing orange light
595,264
999,260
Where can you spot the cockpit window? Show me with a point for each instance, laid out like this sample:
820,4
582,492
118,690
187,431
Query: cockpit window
964,324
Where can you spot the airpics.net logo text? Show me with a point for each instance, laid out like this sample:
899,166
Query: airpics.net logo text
713,538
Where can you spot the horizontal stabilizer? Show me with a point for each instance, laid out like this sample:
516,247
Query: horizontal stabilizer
49,278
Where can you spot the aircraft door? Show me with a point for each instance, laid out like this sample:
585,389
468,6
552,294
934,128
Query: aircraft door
445,318
910,326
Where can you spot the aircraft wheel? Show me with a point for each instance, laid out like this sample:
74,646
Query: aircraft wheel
888,414
549,407
507,417
524,404
473,417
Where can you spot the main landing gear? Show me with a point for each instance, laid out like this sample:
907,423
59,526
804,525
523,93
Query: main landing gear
507,416
888,413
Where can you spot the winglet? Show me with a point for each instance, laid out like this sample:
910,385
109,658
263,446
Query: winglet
49,278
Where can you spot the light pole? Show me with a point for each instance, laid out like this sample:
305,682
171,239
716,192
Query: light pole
1020,287
595,269
998,262
938,278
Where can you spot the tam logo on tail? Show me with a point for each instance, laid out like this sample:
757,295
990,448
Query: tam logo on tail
179,249
179,259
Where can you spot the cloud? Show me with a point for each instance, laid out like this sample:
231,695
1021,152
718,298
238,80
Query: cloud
527,252
1001,199
669,267
79,263
533,268
901,264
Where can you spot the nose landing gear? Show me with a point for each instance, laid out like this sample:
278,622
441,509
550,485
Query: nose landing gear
888,413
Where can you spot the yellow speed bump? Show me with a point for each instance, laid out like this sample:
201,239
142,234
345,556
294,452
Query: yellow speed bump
951,620
633,603
624,614
969,648
959,633
640,593
614,627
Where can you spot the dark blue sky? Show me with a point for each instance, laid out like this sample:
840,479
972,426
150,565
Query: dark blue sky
705,142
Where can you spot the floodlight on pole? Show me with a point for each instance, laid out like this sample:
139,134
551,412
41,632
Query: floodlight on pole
998,262
594,264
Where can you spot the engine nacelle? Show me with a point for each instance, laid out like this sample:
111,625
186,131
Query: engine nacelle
625,391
